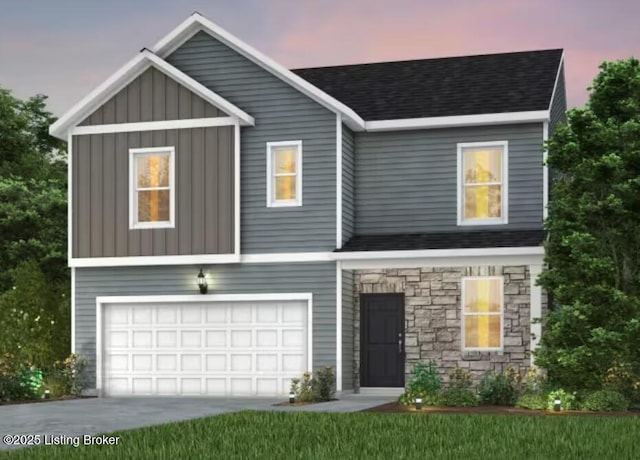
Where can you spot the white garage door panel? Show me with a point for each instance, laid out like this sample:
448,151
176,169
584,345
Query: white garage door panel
214,348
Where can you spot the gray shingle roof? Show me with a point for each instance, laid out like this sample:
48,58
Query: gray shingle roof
445,240
467,85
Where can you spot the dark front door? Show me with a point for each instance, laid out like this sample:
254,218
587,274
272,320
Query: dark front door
382,340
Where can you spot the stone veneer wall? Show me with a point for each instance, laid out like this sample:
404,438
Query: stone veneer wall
433,316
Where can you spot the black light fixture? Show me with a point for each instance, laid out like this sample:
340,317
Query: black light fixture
557,404
418,403
202,282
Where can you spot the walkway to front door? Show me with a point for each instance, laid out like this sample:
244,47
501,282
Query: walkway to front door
382,340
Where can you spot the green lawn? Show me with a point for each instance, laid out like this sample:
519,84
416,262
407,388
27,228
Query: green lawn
286,436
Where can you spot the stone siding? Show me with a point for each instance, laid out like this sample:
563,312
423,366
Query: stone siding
433,316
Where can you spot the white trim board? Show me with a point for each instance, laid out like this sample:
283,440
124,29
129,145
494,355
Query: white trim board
125,75
462,261
555,84
236,188
458,120
440,253
350,260
73,310
70,195
339,180
105,300
196,22
154,125
545,172
338,326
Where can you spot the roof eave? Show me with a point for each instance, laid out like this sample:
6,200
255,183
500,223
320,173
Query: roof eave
458,121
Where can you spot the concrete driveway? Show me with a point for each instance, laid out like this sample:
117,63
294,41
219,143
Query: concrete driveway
104,415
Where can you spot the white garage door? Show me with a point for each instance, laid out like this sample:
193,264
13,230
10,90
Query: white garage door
213,348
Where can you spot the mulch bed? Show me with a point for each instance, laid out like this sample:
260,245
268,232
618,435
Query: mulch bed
490,410
31,401
300,403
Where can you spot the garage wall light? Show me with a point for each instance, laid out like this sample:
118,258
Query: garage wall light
202,282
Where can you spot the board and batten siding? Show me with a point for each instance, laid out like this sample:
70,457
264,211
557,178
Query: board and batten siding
282,113
406,181
348,302
152,96
317,278
348,209
204,210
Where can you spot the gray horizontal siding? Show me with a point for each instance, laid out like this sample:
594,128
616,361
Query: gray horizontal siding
152,96
317,278
405,181
281,113
204,222
347,329
348,208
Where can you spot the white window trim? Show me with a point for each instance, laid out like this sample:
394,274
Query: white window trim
133,198
504,219
464,315
271,201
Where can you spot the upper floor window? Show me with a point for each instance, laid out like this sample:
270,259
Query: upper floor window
482,310
152,187
284,173
482,183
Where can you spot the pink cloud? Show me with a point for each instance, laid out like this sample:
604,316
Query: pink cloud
326,35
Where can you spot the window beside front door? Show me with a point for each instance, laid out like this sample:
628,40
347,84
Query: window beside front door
284,174
482,313
482,183
152,187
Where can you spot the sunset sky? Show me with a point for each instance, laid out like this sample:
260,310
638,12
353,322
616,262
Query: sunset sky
65,48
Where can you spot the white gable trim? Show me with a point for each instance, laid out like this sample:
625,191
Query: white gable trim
154,125
125,75
196,22
555,84
458,120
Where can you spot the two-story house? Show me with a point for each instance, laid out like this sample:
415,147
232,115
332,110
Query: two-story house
233,223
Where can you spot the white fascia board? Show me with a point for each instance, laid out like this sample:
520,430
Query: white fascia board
308,296
153,125
196,22
462,261
287,257
440,253
458,121
135,261
350,260
339,181
555,84
338,326
125,75
545,172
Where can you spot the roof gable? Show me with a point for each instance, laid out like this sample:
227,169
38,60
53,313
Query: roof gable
457,86
196,23
152,96
124,76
